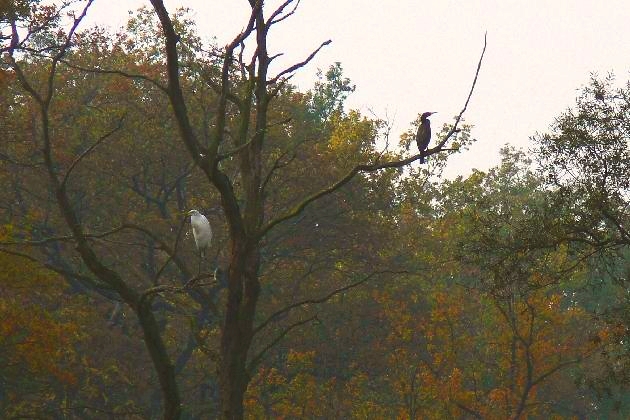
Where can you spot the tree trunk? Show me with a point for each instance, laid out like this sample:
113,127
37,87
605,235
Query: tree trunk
243,292
161,361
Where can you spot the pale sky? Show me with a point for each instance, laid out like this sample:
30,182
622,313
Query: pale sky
407,56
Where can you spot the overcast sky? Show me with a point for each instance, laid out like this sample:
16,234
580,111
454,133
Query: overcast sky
410,56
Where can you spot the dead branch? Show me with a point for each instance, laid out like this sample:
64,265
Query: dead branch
272,19
298,65
454,129
225,81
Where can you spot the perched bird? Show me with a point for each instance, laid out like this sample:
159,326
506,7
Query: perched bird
202,231
423,136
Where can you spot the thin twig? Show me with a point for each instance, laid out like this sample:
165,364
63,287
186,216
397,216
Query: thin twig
89,149
454,129
152,291
89,280
256,359
234,151
322,299
171,256
117,73
272,19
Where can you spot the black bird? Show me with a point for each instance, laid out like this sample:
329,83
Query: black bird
423,136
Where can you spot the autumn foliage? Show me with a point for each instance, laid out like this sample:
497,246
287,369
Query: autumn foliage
396,294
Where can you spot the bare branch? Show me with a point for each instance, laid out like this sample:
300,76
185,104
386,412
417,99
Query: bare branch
174,90
89,149
155,290
88,280
322,299
244,145
163,245
62,52
272,19
454,129
117,73
273,57
277,164
171,256
15,38
256,6
171,252
54,239
257,359
334,187
225,80
208,162
217,89
298,65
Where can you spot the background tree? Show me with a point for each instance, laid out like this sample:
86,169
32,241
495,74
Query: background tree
586,162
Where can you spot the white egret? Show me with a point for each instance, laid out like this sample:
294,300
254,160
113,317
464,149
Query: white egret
202,231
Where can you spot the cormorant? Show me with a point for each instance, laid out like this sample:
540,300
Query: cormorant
423,136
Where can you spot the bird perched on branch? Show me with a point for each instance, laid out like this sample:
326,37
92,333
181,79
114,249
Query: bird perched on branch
423,136
202,231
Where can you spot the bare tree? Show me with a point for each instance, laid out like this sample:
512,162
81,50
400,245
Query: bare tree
247,222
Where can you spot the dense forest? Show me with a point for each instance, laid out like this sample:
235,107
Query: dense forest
344,278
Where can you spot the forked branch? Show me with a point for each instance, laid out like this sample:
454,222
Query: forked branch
299,65
275,16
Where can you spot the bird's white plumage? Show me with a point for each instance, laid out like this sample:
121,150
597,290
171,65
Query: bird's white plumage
202,231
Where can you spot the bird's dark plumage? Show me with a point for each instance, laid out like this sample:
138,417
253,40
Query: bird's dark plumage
423,136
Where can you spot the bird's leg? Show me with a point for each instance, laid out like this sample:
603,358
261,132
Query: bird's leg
113,319
200,258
